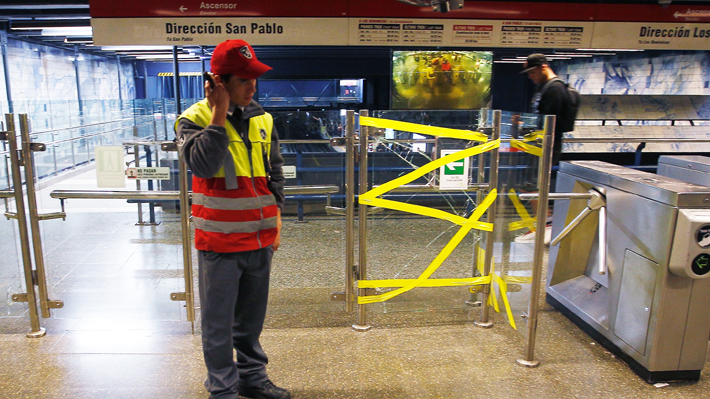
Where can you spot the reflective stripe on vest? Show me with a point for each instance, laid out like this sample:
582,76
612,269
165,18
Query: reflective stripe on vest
234,227
234,204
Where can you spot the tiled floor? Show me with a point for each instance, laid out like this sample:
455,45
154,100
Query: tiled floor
120,336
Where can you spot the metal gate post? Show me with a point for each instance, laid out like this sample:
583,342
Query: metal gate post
544,186
349,208
490,239
186,240
40,275
362,228
30,297
480,179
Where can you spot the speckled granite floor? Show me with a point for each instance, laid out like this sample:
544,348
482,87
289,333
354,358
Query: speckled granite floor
120,336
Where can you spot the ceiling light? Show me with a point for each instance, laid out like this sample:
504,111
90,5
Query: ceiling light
166,56
135,48
68,31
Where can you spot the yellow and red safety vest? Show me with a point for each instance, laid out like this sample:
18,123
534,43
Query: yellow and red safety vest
241,215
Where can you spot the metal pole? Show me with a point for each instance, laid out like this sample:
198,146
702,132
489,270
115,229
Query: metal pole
41,276
78,82
362,228
480,178
36,331
176,84
349,208
490,236
137,160
186,240
544,186
6,69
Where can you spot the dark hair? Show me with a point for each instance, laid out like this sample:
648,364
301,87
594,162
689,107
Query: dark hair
225,78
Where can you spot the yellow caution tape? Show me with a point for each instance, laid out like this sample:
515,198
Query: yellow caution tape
530,149
533,136
429,167
527,221
440,258
423,129
432,282
371,198
502,287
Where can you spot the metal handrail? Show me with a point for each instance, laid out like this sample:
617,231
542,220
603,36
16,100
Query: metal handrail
635,140
170,195
132,119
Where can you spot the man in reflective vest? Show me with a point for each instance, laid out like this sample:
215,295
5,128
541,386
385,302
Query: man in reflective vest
232,148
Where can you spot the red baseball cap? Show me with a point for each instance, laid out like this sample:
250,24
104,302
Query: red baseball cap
236,57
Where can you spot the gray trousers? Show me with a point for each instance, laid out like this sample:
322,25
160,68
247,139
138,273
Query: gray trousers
234,289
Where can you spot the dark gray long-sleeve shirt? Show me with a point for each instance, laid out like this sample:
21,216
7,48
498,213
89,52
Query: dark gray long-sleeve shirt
205,148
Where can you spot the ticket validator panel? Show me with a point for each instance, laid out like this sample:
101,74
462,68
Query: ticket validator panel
644,295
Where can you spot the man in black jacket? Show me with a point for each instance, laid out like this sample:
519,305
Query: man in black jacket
550,97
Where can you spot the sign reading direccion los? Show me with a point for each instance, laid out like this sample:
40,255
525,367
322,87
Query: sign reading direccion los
392,23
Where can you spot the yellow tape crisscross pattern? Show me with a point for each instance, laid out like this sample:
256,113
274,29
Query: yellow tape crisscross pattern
371,198
529,148
526,221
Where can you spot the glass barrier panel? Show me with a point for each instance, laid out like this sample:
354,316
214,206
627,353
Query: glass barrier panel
519,162
115,262
310,263
402,245
13,315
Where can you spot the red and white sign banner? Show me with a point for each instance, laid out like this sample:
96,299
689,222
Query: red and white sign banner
657,36
212,31
480,24
500,10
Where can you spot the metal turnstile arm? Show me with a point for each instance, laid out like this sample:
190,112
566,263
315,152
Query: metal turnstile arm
596,202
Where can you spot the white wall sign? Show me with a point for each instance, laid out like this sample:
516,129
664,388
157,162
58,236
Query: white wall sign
110,167
148,173
289,172
454,175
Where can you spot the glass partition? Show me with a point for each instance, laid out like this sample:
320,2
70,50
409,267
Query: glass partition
113,262
309,266
14,316
403,245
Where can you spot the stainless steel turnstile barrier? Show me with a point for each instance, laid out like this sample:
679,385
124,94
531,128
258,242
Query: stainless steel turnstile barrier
643,293
688,168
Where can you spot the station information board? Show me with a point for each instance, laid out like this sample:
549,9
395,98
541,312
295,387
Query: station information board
478,24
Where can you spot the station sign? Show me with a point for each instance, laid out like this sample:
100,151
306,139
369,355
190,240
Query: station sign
479,24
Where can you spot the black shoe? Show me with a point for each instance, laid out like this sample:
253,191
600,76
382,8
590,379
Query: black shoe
265,390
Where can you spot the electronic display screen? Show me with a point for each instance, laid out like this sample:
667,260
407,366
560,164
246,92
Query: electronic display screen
441,79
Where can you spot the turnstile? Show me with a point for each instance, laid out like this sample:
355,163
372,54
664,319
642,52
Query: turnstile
688,168
645,294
